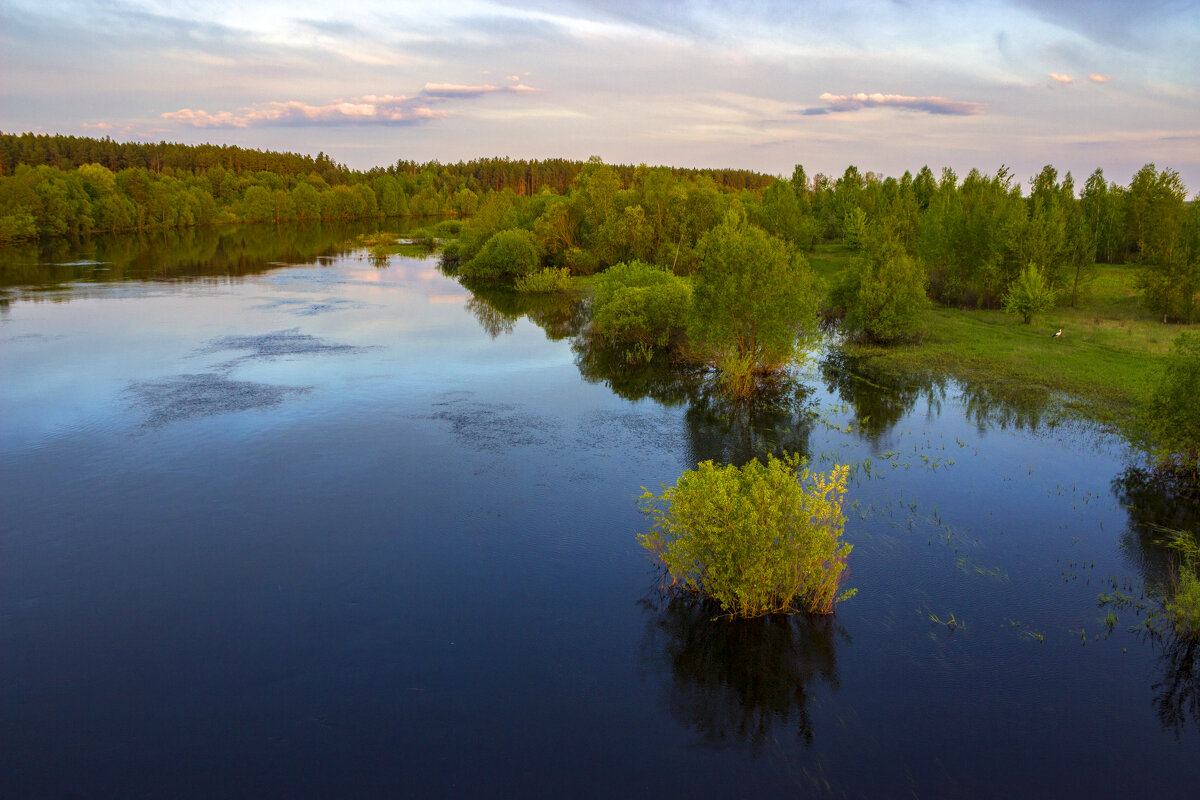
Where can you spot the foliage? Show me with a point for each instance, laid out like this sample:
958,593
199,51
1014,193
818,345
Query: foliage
511,253
1029,294
638,302
757,539
1183,608
883,295
1173,414
1158,222
752,295
548,280
1181,597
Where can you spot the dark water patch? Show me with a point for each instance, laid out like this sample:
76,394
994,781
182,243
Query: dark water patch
277,344
496,427
186,397
632,430
306,308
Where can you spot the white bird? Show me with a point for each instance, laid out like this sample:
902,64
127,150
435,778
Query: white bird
1058,334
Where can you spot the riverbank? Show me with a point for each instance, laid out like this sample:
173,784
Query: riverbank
1108,359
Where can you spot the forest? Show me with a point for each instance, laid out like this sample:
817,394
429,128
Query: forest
972,235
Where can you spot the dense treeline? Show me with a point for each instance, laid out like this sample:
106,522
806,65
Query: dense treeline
71,186
961,242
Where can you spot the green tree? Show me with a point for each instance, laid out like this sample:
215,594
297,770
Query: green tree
1029,294
1173,414
757,539
883,294
753,297
1156,219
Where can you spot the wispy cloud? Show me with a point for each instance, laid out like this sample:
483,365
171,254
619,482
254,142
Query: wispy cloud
1098,78
366,110
1058,76
839,103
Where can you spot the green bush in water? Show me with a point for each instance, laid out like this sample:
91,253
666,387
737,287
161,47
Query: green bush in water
1182,596
757,539
511,253
546,281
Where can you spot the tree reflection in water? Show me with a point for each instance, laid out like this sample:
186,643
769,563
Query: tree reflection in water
739,682
881,397
498,309
182,254
1159,505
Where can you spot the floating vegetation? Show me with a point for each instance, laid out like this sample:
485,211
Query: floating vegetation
952,623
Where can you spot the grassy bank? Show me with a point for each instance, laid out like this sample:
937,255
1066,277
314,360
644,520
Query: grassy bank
1108,359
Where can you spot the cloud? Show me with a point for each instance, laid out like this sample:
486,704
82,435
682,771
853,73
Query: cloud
96,126
927,104
366,110
1058,76
1098,78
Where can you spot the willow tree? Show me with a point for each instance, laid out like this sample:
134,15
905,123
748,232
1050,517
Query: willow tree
753,299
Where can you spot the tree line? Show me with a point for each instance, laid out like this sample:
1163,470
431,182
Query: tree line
961,242
72,186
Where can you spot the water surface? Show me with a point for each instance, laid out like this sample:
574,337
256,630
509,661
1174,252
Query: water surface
279,521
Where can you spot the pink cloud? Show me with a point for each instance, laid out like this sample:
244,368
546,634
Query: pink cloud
369,109
1058,76
928,104
1098,78
97,126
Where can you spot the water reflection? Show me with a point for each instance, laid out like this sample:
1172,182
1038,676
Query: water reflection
1177,691
739,682
1004,406
881,397
208,251
498,309
1159,506
1155,503
778,419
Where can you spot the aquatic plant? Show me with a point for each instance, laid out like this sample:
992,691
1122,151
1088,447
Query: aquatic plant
763,538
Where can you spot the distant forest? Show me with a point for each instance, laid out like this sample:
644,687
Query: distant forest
973,235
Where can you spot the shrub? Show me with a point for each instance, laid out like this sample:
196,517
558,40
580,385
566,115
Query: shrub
581,262
1029,294
448,227
757,539
548,280
883,295
1183,608
511,253
637,302
1182,596
1173,414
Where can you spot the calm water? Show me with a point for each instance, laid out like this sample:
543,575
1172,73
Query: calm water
276,520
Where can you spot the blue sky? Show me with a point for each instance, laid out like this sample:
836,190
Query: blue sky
764,85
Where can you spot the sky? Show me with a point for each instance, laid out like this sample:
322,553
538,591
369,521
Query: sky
884,85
